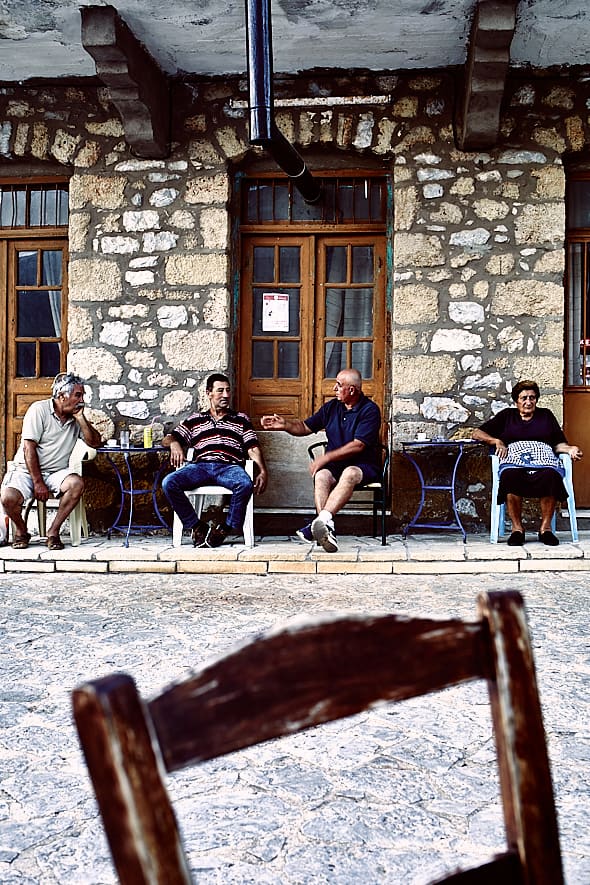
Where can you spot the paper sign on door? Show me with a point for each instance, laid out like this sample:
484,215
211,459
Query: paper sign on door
275,312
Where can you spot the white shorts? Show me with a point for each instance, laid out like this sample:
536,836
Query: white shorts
21,481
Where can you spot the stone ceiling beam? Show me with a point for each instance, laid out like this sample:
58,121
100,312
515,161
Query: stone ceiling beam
478,123
139,89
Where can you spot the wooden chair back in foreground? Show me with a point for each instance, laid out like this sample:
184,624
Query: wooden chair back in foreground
289,681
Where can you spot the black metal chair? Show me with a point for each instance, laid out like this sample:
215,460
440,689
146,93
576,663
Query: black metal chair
379,489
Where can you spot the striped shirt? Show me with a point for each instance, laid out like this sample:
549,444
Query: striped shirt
225,439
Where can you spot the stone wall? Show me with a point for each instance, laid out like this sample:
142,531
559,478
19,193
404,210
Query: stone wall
476,283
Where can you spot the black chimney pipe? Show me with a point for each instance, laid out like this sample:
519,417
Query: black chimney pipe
263,129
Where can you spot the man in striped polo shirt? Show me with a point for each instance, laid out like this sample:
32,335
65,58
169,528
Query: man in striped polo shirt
222,440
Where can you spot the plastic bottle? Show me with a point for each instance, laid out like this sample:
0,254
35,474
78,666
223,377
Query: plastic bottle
147,437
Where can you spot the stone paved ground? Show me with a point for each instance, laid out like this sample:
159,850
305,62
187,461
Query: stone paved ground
394,796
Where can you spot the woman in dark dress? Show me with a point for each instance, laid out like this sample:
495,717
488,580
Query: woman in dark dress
527,440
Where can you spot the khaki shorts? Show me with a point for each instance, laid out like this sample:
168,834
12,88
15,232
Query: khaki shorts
22,482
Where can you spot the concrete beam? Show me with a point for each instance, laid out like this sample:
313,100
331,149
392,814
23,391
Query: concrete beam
478,122
139,89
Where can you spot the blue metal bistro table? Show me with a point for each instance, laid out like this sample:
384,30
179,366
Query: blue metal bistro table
124,471
436,463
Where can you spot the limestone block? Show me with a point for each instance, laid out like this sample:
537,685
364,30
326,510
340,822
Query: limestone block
491,381
127,311
305,135
516,157
163,197
551,262
549,138
214,228
111,391
80,326
552,338
417,135
541,223
427,374
20,139
94,279
404,339
286,123
133,409
443,409
455,340
207,189
466,312
574,129
112,128
547,371
183,219
527,298
139,278
470,238
463,186
97,191
177,403
417,250
202,350
511,339
95,362
550,182
560,97
146,337
344,132
406,107
147,219
385,135
162,241
500,264
79,224
64,146
158,379
326,134
447,213
432,191
216,309
405,208
40,145
203,155
171,317
140,359
415,304
118,245
196,269
401,406
116,334
491,210
88,155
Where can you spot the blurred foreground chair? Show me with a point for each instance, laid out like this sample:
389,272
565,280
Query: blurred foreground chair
197,499
498,511
286,682
77,519
378,489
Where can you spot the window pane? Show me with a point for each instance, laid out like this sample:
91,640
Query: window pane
334,358
265,207
336,264
262,359
578,204
50,358
362,264
302,211
252,204
288,359
346,199
25,359
13,207
377,210
264,264
51,265
289,264
361,200
26,271
39,314
362,357
281,202
349,312
62,206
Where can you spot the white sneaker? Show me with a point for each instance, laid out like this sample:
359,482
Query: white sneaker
324,535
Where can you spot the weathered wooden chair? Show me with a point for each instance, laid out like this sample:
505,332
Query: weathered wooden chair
306,676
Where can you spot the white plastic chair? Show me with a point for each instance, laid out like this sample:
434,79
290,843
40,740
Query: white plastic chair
498,511
77,519
197,496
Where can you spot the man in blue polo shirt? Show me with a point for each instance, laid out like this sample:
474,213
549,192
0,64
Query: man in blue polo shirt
352,423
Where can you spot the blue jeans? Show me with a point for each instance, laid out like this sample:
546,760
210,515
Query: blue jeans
208,473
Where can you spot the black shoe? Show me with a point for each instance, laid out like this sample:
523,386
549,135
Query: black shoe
549,539
516,539
217,535
199,534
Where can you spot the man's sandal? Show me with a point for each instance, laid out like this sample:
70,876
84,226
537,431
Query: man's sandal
54,543
21,542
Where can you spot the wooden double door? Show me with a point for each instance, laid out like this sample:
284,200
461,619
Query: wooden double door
34,292
310,306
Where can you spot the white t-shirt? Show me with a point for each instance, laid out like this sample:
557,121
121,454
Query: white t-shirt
55,440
